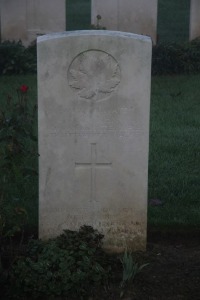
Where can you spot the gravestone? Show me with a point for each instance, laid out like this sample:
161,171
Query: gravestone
137,16
13,20
93,105
194,19
26,19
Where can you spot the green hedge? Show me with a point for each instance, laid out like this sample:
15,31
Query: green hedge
171,58
16,59
176,58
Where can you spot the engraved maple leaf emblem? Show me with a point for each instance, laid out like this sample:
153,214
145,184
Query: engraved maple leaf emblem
94,75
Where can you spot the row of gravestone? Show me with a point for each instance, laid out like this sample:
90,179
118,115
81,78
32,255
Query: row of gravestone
26,19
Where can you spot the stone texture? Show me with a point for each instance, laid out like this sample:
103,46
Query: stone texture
93,105
26,19
137,16
194,19
13,20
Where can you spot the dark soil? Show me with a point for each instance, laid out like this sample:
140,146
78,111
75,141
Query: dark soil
173,272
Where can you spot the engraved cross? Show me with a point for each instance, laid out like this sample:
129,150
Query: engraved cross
92,165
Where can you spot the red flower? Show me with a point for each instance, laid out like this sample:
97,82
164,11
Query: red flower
23,88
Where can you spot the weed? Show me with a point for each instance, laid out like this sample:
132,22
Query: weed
130,270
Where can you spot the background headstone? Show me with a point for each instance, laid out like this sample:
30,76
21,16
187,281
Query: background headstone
137,16
13,20
194,19
93,105
26,19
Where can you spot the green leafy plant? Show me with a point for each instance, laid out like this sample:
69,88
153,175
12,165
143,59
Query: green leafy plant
176,58
130,270
16,59
70,265
17,160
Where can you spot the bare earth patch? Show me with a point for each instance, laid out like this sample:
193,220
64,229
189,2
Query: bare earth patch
173,272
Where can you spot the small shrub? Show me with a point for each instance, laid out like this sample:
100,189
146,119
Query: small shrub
16,59
70,265
171,58
176,58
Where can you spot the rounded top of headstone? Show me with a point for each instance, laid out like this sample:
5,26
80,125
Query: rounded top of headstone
76,33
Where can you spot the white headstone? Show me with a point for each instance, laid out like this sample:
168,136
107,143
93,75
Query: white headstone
93,105
26,19
137,16
194,19
13,20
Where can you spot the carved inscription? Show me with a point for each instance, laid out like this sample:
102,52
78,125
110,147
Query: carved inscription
92,165
94,75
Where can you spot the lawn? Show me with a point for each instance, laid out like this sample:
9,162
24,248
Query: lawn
174,157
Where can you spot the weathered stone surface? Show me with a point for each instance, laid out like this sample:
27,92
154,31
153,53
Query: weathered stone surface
13,20
137,16
93,105
26,19
194,19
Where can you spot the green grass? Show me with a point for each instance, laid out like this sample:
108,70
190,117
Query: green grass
174,157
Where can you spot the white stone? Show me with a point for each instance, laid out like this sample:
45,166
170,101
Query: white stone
26,19
137,16
194,19
13,20
93,105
